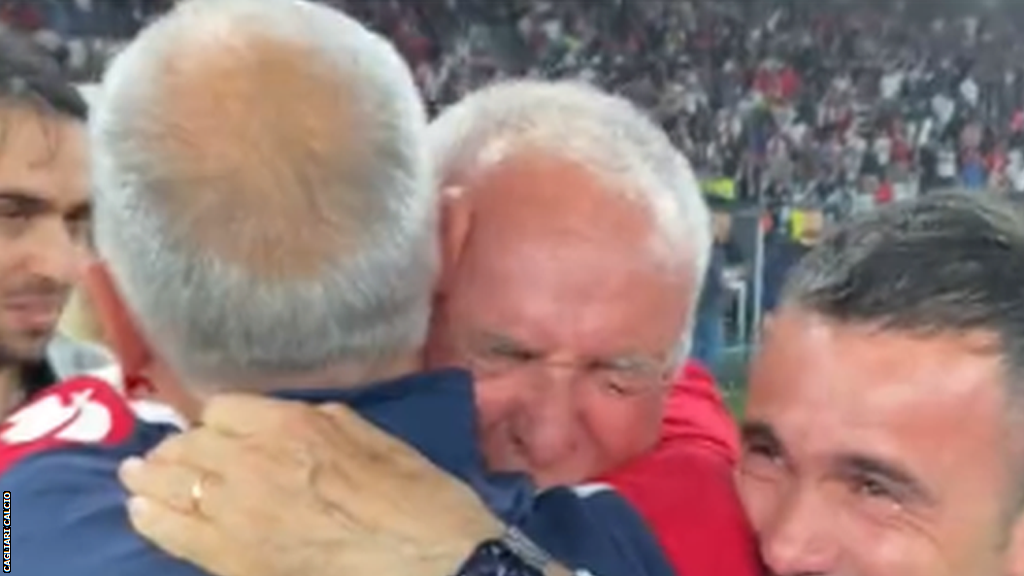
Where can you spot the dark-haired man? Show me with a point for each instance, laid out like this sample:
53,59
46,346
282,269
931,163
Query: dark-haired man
883,433
44,214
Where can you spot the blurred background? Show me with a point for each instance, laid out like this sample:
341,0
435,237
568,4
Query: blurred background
796,114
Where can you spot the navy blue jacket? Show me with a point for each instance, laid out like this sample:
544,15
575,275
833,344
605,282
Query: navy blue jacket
59,457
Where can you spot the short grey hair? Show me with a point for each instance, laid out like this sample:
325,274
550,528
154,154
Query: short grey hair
606,134
338,268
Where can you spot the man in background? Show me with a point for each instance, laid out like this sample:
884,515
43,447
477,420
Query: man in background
44,219
709,329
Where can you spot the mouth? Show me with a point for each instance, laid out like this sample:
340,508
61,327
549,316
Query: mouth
34,314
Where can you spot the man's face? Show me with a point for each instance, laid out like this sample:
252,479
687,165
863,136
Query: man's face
43,226
877,453
566,319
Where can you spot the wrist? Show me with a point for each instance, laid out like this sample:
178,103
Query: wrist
510,554
456,551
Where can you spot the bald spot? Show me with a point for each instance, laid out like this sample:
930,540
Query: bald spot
536,200
254,135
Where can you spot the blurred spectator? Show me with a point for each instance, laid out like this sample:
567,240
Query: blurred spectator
795,99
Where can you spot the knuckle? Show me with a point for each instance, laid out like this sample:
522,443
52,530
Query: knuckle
169,450
335,412
297,421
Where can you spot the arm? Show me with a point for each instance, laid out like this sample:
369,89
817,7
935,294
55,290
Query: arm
360,503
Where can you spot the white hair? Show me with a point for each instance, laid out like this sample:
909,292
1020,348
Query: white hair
366,300
605,134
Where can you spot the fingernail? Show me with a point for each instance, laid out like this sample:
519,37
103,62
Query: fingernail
138,506
131,466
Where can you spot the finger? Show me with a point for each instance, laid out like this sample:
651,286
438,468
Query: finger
204,449
183,536
180,487
247,415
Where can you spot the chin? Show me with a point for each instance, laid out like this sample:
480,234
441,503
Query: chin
25,349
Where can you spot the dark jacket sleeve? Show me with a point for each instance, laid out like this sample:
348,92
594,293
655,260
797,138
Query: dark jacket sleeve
68,517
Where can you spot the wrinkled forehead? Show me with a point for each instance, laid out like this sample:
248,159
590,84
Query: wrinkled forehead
533,195
554,256
936,402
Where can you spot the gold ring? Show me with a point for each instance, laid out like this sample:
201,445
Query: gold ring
197,492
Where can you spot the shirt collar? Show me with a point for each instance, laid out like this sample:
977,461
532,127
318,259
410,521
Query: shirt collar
435,412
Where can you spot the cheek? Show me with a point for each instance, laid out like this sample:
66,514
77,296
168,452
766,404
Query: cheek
759,497
621,429
498,399
879,548
10,261
438,352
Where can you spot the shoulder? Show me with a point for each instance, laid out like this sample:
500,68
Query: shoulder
696,415
86,411
687,497
65,514
65,508
591,527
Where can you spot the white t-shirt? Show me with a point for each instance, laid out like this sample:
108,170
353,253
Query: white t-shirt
946,164
969,91
883,150
891,85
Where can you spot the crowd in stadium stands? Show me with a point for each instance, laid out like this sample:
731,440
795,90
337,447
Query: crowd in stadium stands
826,103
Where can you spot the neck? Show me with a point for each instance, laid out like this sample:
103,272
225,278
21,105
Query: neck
339,376
187,397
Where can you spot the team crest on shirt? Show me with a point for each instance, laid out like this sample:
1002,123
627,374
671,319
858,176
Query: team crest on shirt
80,411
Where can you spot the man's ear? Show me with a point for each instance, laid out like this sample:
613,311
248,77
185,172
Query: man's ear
120,332
456,219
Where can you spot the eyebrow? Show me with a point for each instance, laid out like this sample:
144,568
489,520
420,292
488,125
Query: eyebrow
21,196
26,198
903,479
632,359
495,338
758,432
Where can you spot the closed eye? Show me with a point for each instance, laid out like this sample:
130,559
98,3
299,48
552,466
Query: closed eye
763,450
763,454
512,352
865,485
882,481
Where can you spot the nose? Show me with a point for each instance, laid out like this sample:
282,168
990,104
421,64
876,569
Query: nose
548,429
796,537
53,253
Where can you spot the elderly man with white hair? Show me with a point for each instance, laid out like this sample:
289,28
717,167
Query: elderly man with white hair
574,245
582,240
267,224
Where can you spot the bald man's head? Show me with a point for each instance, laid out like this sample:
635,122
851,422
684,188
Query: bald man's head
268,132
263,199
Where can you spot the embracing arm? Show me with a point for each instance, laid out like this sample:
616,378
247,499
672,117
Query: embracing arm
359,502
